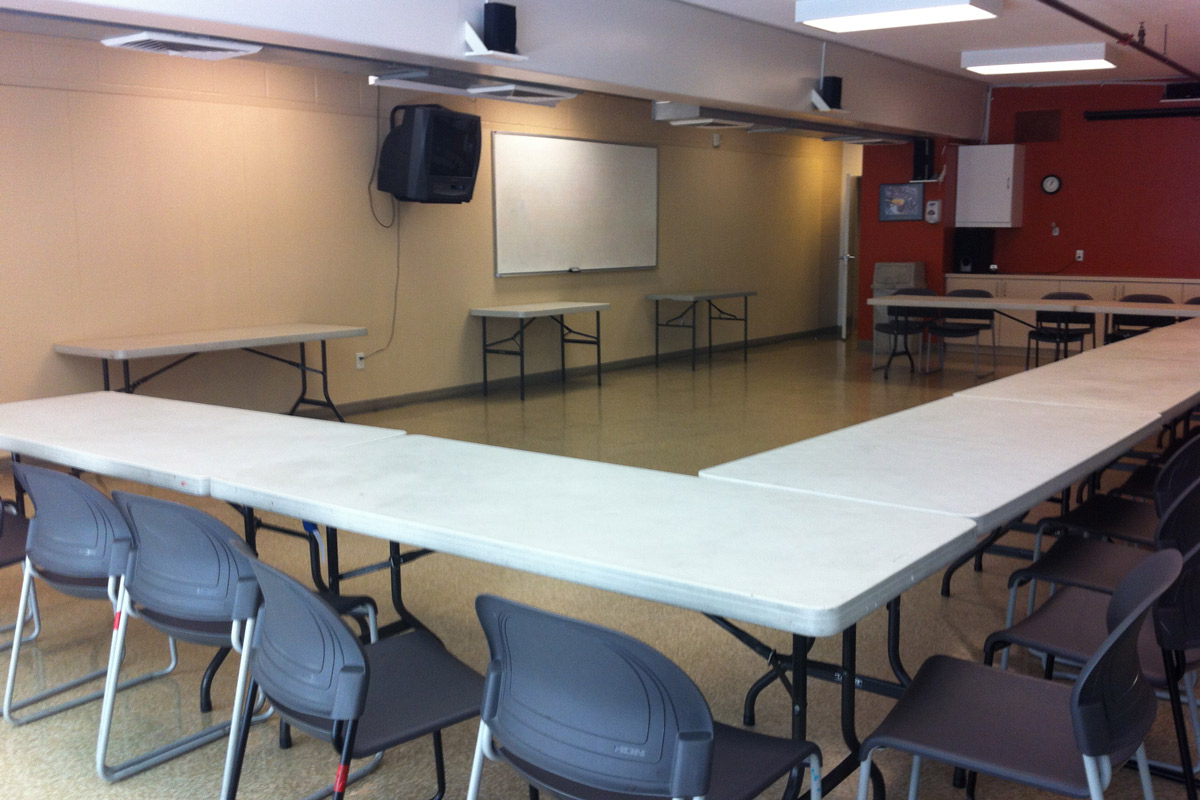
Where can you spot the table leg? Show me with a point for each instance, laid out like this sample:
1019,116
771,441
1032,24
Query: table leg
485,355
746,328
656,330
710,322
521,356
597,348
104,372
562,349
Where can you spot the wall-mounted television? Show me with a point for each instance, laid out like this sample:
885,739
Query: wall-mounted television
432,156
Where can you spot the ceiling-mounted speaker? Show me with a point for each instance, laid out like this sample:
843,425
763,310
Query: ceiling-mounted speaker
922,160
830,89
500,27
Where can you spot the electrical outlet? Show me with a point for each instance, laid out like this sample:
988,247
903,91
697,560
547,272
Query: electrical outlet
360,361
1079,255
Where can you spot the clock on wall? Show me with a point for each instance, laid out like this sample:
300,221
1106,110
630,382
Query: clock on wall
1051,184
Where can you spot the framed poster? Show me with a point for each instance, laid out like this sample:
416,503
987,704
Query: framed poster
901,201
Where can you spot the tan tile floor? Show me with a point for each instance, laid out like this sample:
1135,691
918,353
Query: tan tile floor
671,419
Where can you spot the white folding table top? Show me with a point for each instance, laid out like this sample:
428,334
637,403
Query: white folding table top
804,564
167,344
167,443
690,297
990,460
551,309
982,303
1140,309
1111,377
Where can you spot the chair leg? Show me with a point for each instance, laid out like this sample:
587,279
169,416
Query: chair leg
11,707
158,755
1173,664
1144,773
31,615
914,778
814,777
477,762
864,776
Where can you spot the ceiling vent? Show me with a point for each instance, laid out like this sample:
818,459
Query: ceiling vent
445,81
175,44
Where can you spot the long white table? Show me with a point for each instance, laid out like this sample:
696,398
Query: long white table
986,459
188,344
526,314
687,317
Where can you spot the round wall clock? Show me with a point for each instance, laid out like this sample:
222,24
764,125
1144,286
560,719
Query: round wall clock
1051,184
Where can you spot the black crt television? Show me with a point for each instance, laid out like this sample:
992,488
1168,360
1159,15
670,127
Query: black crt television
432,156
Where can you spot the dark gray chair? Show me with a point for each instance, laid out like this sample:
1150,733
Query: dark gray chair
1125,326
363,699
591,714
76,545
1101,565
14,528
965,323
1069,627
1059,328
1062,738
183,577
902,323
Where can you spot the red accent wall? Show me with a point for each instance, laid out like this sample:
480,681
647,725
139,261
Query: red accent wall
902,241
1130,198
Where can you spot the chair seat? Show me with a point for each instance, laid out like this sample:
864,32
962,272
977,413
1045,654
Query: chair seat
1070,626
13,532
1051,336
1089,563
953,330
736,754
89,587
210,633
990,721
902,326
1110,516
392,713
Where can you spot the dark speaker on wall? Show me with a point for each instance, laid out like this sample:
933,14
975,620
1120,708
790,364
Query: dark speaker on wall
830,90
922,160
973,249
500,27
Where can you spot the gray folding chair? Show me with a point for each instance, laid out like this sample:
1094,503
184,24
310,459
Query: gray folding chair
183,577
1070,626
1100,565
591,714
1059,328
1125,326
14,528
965,323
1063,738
76,544
363,699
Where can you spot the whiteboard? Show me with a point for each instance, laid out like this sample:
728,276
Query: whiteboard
569,205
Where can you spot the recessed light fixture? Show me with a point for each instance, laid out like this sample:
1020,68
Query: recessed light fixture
1052,58
846,16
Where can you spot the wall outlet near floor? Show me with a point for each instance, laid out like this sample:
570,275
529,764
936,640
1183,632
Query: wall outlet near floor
360,361
1079,255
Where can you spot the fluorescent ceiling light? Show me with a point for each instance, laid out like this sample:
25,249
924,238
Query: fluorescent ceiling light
1054,58
845,16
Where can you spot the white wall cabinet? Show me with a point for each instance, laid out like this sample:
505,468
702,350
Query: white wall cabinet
991,186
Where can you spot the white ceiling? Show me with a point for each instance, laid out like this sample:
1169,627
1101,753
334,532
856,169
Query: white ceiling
1021,23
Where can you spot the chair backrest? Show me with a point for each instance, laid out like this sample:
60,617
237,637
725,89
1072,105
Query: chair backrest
76,532
1142,320
1112,703
1192,301
14,530
183,562
1177,612
591,705
1179,525
1078,319
912,311
973,314
1178,473
304,657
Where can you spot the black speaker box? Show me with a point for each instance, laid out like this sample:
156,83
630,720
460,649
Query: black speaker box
500,27
973,249
922,160
830,90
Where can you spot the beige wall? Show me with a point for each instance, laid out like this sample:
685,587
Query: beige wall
141,194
